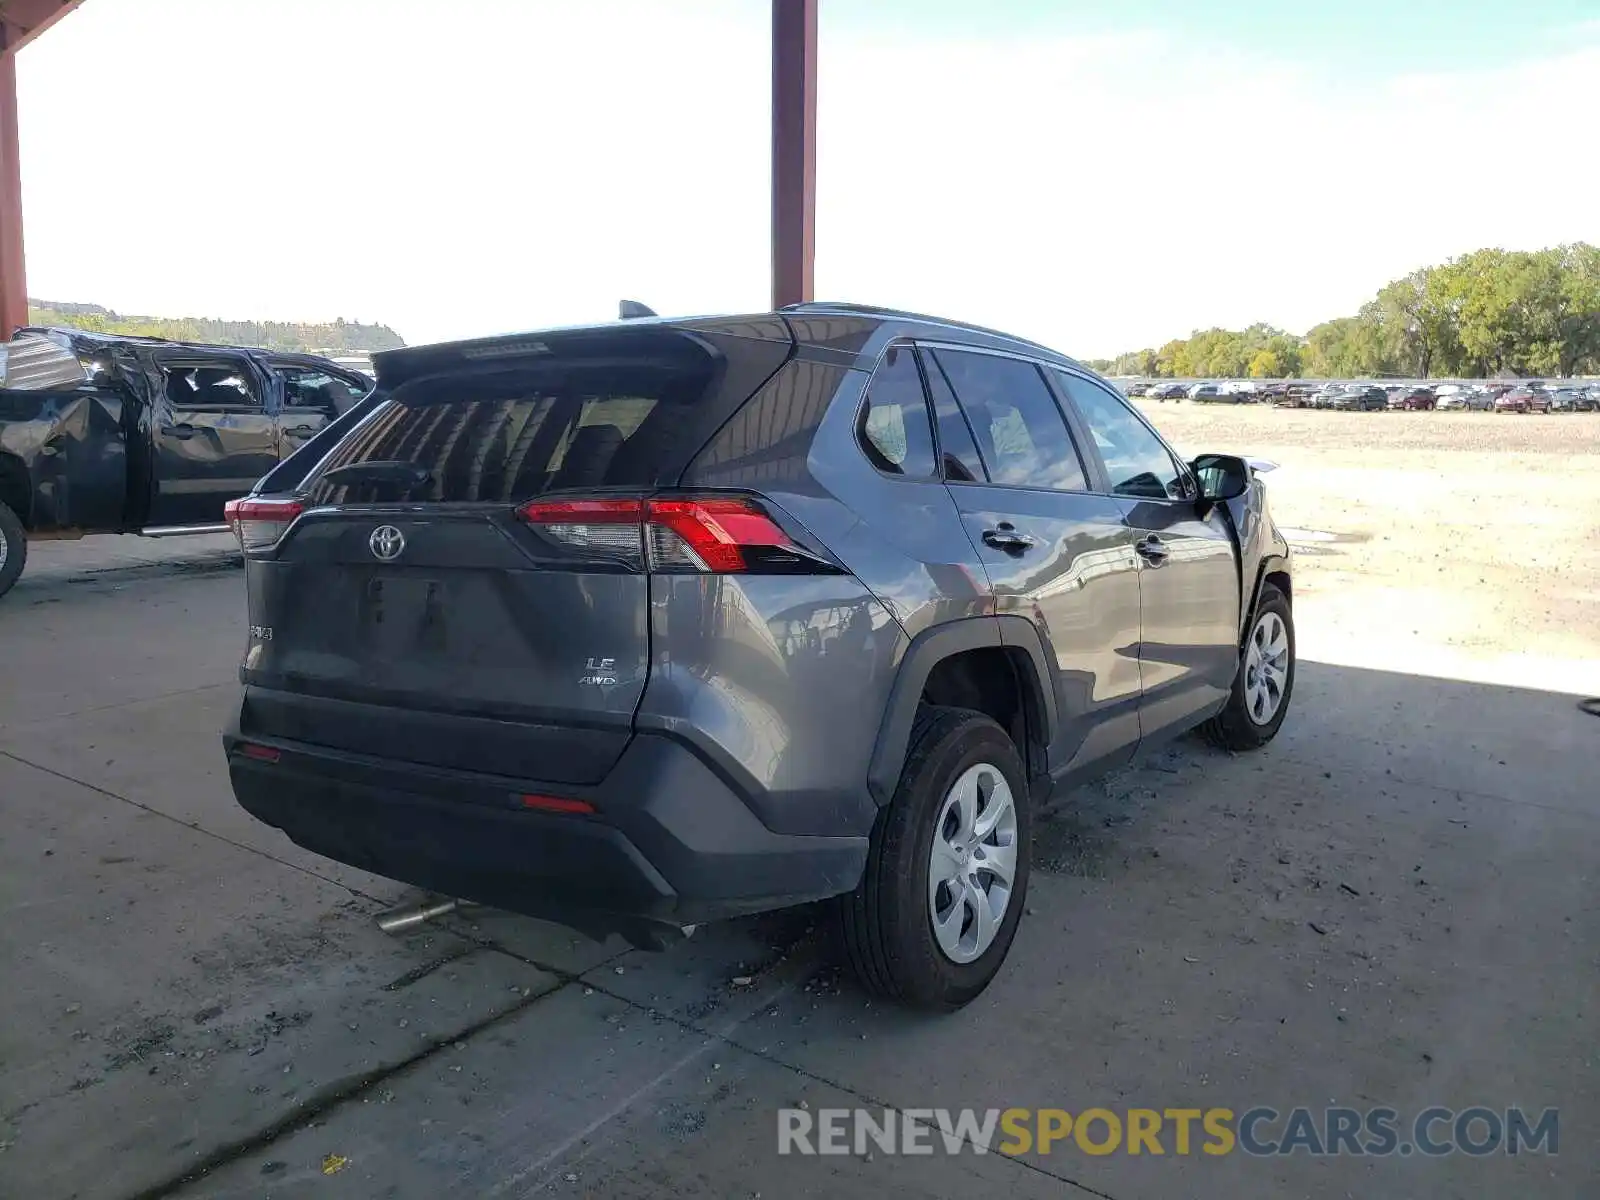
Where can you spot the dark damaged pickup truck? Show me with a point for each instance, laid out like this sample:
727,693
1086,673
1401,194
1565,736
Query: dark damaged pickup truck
105,434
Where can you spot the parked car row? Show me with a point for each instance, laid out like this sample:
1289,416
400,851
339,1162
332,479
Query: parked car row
1531,396
1235,391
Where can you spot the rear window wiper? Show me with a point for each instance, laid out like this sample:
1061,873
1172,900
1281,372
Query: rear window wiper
380,471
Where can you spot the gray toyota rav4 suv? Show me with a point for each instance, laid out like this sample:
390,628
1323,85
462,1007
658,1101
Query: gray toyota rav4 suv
638,625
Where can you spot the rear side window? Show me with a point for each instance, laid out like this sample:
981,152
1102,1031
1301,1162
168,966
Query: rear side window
957,451
509,434
1021,433
893,427
305,388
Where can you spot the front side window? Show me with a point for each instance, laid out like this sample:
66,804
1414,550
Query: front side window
1021,433
210,386
1136,460
303,388
894,428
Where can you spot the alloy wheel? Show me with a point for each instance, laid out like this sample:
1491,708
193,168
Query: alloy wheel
973,862
1266,668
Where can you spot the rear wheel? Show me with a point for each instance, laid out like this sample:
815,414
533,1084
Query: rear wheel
13,548
938,904
1261,690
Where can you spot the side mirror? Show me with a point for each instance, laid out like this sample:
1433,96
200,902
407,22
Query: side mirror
1221,476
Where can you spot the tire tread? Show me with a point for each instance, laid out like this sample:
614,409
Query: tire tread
867,917
1232,729
16,547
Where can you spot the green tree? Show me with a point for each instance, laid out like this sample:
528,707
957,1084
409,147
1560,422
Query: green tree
340,335
1286,349
1174,361
1265,366
1532,312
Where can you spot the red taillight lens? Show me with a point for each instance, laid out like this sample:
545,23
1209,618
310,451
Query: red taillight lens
709,535
715,535
264,754
554,804
260,523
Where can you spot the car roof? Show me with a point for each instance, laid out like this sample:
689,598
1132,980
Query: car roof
850,331
89,340
89,337
906,317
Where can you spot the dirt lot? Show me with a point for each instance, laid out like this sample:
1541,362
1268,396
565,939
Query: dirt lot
1455,536
1393,905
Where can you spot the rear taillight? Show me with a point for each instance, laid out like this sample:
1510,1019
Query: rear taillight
716,535
260,523
554,804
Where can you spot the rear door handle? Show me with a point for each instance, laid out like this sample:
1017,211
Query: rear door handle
1153,550
301,430
1004,537
183,431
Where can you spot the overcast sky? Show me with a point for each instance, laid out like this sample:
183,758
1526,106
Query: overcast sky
1098,174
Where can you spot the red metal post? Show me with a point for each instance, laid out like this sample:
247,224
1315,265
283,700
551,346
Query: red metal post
13,279
794,149
20,22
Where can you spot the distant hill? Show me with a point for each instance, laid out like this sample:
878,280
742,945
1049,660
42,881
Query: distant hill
338,336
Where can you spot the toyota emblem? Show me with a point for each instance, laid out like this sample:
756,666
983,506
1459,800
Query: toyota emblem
387,543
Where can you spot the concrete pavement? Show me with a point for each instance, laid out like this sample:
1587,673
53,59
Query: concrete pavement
1393,905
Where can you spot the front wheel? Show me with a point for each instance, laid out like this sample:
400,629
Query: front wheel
937,908
1261,690
13,548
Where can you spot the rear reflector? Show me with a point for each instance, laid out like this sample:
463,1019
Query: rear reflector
555,804
264,754
260,523
713,534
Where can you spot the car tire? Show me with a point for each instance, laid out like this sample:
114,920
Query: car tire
13,548
1249,720
887,925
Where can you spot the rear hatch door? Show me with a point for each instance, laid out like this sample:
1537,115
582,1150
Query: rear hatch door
410,612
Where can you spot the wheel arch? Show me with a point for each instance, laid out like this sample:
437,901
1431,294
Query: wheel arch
1274,569
996,665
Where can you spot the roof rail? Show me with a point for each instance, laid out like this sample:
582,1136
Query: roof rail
876,310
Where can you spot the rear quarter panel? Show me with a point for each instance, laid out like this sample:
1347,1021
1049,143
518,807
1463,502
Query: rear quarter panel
791,689
779,683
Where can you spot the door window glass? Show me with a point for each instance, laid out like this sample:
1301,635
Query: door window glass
1137,462
894,428
957,450
223,385
318,389
1020,431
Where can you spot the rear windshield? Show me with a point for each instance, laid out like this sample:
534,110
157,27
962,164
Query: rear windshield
505,435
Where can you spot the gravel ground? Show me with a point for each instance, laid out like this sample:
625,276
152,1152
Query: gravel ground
1463,544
